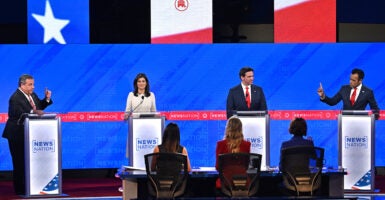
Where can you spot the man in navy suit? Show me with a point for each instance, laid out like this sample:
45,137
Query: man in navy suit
22,101
245,96
355,96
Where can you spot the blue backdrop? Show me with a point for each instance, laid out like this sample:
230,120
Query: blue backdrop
92,78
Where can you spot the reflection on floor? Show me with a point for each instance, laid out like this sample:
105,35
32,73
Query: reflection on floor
366,196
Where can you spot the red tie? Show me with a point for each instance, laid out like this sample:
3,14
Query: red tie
247,97
31,102
353,97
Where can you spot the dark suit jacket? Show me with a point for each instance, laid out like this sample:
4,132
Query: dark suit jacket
297,141
19,104
365,97
236,100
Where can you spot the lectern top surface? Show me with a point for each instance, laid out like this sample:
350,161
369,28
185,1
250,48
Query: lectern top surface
251,113
44,116
355,112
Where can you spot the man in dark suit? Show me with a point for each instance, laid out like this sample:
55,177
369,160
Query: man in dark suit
245,96
22,101
354,96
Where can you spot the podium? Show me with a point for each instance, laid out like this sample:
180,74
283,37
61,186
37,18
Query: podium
145,132
42,134
256,129
356,149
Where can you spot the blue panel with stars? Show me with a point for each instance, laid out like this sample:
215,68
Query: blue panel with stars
58,22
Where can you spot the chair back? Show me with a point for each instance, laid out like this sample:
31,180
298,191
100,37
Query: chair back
167,174
301,168
239,173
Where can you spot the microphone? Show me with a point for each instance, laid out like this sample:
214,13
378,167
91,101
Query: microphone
136,107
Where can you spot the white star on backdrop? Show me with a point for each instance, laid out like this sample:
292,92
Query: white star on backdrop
52,26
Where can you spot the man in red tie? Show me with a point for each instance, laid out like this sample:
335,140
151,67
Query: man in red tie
22,101
246,96
354,96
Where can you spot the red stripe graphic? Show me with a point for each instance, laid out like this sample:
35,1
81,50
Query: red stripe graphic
311,21
198,115
199,36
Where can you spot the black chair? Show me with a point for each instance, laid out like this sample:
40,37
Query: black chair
239,173
301,169
167,174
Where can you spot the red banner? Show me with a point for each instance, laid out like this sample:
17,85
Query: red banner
197,115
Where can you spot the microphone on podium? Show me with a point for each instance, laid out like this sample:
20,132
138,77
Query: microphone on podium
136,107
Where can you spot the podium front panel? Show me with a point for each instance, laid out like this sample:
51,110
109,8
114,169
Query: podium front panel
43,157
144,135
356,154
256,131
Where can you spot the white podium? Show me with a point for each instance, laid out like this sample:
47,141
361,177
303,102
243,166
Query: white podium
43,155
145,132
256,129
356,149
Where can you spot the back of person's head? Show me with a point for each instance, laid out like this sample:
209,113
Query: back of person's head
147,89
234,133
244,70
298,127
171,137
359,72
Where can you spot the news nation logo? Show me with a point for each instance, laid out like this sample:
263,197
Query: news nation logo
43,146
181,5
356,142
256,142
142,144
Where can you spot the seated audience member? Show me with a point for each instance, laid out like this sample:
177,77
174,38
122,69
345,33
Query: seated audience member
298,128
171,142
233,141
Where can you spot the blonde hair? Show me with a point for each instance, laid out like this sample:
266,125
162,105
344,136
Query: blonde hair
234,134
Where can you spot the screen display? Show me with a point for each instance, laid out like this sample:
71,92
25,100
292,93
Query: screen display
90,85
305,21
58,22
181,21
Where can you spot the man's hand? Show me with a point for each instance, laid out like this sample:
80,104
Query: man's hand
47,94
320,91
39,112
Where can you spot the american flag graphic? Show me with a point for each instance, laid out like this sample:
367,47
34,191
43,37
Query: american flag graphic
52,187
364,181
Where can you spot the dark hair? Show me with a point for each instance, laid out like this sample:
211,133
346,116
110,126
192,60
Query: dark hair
146,90
244,70
23,78
360,73
298,126
171,137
